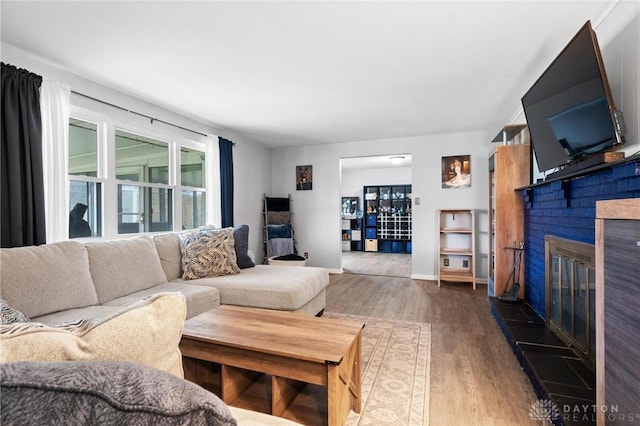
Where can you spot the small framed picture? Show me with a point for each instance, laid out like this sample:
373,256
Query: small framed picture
456,171
304,178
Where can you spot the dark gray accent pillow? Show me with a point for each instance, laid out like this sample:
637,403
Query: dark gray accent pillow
241,238
103,393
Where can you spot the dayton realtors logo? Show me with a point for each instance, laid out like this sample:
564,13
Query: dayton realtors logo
544,409
547,410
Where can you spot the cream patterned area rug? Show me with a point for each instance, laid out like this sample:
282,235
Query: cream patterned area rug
396,358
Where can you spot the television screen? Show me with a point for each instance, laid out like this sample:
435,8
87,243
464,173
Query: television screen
569,109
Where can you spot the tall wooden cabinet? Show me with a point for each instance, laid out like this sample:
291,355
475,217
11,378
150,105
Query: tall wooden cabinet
617,314
456,246
509,168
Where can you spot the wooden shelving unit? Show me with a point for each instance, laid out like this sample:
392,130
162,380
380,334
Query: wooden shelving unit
456,248
509,168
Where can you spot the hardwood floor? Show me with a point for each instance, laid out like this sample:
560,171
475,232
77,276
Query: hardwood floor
374,263
475,376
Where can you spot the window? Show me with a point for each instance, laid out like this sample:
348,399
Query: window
142,173
192,178
124,181
85,185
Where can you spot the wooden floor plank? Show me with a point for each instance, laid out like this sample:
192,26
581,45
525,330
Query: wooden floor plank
475,377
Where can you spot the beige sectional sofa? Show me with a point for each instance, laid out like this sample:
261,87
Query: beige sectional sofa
65,281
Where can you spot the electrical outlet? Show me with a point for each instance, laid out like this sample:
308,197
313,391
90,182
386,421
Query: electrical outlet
446,261
306,254
465,263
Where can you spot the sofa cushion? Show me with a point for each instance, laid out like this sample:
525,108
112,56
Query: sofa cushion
272,287
147,332
168,247
38,280
241,245
124,266
199,298
207,253
104,392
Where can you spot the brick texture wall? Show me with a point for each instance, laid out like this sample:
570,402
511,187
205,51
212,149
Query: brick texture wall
567,209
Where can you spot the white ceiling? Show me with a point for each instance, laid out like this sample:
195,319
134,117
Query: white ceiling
301,73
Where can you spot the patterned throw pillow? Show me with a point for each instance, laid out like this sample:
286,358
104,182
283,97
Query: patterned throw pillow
10,315
208,253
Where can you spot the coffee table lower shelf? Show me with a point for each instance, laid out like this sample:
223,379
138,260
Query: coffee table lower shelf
307,404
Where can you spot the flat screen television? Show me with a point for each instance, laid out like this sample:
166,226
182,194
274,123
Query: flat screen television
569,109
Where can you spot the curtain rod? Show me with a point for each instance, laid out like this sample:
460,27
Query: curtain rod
137,113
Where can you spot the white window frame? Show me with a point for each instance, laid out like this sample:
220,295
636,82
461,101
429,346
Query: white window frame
106,175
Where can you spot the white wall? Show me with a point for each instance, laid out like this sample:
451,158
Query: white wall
252,180
619,39
354,179
252,161
317,212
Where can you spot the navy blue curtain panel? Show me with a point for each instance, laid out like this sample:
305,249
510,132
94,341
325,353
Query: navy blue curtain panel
22,214
226,180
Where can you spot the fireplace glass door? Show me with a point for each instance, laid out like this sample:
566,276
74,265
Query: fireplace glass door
571,282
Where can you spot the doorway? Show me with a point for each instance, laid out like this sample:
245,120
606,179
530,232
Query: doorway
377,239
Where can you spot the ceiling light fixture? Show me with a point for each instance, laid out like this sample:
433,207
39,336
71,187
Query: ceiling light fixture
396,159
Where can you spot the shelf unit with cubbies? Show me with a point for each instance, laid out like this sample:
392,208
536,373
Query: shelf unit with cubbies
387,221
456,246
351,224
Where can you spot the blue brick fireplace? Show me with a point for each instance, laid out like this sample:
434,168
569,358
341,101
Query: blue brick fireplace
564,208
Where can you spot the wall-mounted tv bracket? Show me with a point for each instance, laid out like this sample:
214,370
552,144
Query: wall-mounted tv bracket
618,121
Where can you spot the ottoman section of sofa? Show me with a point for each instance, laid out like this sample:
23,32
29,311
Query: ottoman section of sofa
285,288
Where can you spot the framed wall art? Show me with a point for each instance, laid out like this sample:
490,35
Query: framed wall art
456,171
304,178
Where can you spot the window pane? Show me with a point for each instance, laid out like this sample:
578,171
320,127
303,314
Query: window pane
130,216
580,295
566,283
141,159
192,167
83,148
160,201
193,209
85,209
555,288
143,209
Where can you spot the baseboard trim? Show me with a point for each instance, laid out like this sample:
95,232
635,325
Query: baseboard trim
424,277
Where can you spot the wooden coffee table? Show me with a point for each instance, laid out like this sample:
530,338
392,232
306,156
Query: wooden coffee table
293,349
